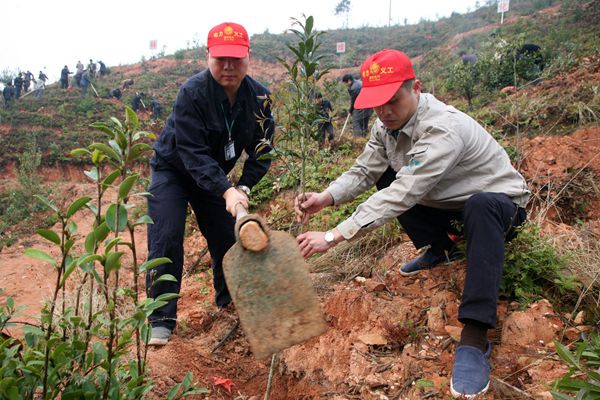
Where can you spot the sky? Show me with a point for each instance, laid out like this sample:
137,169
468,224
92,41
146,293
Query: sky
46,35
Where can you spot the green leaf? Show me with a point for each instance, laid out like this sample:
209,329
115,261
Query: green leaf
88,258
116,221
131,119
126,185
113,261
105,149
142,194
47,203
115,146
92,174
167,297
69,244
566,355
93,208
76,205
101,232
173,392
72,228
155,262
121,139
187,380
138,149
595,376
101,126
40,255
112,243
97,157
144,219
142,134
560,396
90,242
116,122
49,235
165,278
110,178
80,152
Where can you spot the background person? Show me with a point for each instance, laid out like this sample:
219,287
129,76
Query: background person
325,126
360,118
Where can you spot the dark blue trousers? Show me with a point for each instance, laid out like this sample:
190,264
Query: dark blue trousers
171,194
488,222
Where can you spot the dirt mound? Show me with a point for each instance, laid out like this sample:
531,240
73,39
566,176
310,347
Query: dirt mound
562,172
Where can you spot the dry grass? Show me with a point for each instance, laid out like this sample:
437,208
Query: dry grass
359,257
570,199
582,245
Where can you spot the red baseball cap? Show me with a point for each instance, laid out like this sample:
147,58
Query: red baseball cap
228,40
382,75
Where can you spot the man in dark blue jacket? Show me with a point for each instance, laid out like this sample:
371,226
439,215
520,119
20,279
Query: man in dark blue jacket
218,114
18,82
64,77
9,94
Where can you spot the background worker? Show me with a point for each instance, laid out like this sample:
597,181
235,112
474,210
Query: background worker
433,166
360,118
214,120
325,126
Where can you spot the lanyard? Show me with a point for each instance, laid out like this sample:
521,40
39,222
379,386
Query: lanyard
227,124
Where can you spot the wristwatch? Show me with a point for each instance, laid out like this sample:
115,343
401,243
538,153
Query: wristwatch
329,237
244,189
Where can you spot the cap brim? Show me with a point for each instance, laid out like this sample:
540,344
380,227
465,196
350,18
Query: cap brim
375,96
230,50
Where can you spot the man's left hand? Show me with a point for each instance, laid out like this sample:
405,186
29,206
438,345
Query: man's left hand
313,242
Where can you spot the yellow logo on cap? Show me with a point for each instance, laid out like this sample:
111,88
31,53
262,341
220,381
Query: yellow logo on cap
375,72
229,34
374,69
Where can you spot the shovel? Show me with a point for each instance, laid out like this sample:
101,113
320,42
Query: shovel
270,286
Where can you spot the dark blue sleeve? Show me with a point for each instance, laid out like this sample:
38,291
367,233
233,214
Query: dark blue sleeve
254,168
193,145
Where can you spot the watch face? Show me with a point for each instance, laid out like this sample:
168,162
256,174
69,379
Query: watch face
329,237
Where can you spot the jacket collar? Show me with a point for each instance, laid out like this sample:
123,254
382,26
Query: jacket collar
221,97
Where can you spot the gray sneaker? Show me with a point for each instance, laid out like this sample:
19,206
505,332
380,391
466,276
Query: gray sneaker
159,336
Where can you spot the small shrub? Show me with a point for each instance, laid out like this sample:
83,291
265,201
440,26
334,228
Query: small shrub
583,377
179,54
532,266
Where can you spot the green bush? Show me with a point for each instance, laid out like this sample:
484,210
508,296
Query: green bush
532,266
180,54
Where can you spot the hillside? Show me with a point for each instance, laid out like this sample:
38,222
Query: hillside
388,337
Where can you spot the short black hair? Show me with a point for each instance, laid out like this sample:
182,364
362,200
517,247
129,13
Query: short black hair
347,77
407,84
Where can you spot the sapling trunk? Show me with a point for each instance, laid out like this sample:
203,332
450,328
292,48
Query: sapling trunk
60,271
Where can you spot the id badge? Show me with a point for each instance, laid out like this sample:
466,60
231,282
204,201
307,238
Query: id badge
229,151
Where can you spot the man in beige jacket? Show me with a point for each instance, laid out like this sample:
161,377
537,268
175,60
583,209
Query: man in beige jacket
433,165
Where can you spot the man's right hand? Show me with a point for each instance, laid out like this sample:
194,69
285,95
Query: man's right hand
311,203
232,197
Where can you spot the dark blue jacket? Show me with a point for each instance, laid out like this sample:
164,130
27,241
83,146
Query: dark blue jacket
194,138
